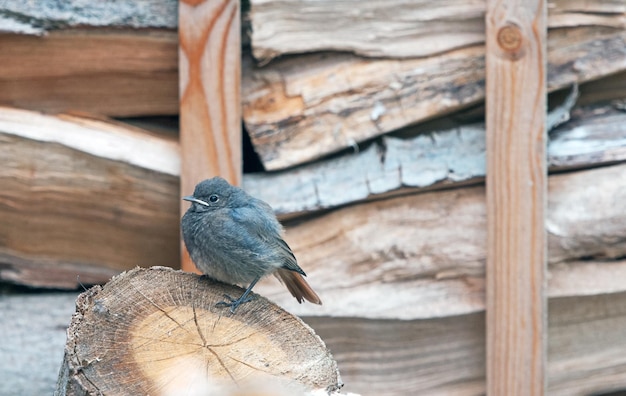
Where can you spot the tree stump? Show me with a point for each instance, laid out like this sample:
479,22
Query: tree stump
157,331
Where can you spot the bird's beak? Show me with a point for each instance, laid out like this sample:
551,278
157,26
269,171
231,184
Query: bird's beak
191,198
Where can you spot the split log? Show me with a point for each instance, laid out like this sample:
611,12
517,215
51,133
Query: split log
114,72
431,248
157,331
441,159
84,198
397,28
446,356
302,108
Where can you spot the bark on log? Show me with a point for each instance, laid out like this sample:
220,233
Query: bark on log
157,331
397,28
301,108
593,137
42,16
446,356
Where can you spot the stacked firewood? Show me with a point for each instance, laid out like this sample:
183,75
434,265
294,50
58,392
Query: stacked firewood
367,119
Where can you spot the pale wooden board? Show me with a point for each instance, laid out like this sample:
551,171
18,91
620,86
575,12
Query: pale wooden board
210,100
517,197
396,28
299,109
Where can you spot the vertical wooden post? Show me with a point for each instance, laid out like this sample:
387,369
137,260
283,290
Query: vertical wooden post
210,79
516,197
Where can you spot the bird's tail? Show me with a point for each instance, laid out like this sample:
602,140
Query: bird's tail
297,286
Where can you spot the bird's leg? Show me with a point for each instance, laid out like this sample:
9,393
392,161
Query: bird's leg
233,304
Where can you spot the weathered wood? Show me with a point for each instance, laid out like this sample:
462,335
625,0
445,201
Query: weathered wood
42,16
516,119
431,248
84,198
105,196
396,28
446,356
112,72
386,357
158,331
594,136
301,108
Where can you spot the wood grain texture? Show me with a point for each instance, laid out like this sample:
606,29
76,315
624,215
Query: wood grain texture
302,108
431,248
441,356
396,28
93,155
516,68
82,197
210,100
157,331
446,356
102,71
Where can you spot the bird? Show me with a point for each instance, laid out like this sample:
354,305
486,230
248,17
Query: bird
236,238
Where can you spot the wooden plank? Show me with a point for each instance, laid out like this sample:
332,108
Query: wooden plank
302,108
516,68
119,73
412,29
210,101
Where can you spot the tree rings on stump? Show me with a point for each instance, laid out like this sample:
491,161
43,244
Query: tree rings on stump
157,331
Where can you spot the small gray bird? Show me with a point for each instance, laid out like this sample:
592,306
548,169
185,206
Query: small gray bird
236,238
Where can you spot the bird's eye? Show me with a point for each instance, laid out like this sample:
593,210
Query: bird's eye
214,198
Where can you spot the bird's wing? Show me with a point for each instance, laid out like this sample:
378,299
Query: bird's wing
256,225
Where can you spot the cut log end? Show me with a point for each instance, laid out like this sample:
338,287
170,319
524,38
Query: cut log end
157,331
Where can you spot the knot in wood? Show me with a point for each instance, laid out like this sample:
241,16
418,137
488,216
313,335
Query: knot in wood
510,39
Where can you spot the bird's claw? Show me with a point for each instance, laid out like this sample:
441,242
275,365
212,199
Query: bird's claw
234,303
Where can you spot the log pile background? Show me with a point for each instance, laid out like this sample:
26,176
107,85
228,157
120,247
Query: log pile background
371,135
